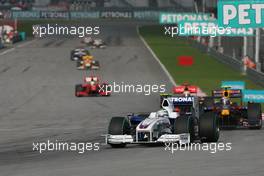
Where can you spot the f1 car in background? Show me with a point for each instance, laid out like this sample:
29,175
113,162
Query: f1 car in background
178,121
87,62
231,113
92,87
185,89
94,43
78,53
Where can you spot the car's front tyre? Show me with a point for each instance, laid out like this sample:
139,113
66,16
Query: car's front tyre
185,124
209,129
119,126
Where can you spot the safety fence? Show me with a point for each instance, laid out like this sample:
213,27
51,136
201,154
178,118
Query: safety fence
254,75
152,15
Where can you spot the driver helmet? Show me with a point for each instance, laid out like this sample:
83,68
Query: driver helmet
225,101
162,113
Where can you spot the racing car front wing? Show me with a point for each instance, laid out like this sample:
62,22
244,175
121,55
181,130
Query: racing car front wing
183,138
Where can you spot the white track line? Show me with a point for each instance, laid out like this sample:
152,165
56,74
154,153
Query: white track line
18,46
156,58
7,51
25,43
200,92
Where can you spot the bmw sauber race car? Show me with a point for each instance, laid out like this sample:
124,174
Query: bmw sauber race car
92,87
78,53
94,43
87,62
178,121
231,113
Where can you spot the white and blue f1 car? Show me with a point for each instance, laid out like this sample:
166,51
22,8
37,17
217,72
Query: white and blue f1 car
179,121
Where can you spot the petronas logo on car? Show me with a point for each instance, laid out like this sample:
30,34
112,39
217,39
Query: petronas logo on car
183,99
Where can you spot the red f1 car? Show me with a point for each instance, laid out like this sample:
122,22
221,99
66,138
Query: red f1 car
92,87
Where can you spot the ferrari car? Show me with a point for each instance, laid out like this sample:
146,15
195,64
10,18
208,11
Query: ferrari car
87,62
226,104
78,53
178,121
92,87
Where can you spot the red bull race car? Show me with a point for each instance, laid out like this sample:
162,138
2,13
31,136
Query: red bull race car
228,106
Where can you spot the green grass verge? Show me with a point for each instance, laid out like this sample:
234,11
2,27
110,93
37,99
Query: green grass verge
206,72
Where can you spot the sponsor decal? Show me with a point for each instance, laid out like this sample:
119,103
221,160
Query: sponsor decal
256,96
241,13
25,14
182,99
54,14
210,28
84,15
173,18
117,14
146,15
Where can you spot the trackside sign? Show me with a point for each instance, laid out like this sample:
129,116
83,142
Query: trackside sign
234,84
241,13
256,96
173,18
211,28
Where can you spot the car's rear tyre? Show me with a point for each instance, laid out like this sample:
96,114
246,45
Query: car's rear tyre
185,124
72,52
254,115
95,65
209,127
79,63
78,88
119,126
208,102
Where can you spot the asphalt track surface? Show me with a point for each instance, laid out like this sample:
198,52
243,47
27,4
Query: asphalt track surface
37,103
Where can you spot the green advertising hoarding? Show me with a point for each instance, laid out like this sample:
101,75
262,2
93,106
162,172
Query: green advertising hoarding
210,28
174,18
241,13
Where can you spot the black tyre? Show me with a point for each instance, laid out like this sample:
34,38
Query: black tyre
254,115
119,126
78,63
185,124
95,65
209,127
78,88
208,102
72,52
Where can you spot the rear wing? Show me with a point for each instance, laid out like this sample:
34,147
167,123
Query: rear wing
182,89
180,101
234,93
